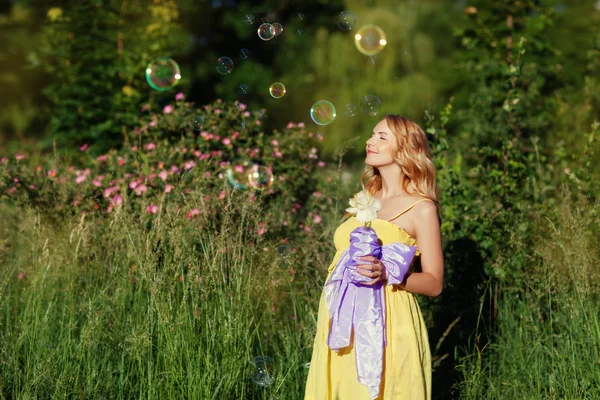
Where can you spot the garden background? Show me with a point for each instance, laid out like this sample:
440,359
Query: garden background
131,266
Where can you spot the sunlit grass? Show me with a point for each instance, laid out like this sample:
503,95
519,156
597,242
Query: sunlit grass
548,340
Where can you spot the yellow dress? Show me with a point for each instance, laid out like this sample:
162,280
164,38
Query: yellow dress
407,359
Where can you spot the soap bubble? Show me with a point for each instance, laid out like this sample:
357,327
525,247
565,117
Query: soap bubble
307,365
346,20
249,19
284,253
243,89
277,90
261,114
260,177
263,371
370,105
278,28
196,122
372,59
350,110
162,74
322,112
299,32
266,31
300,16
238,172
244,53
224,65
370,39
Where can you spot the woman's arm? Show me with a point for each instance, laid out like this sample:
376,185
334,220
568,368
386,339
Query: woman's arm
431,280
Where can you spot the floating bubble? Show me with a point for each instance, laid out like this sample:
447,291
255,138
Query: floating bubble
346,20
300,16
307,365
370,39
243,89
238,172
278,28
266,31
350,110
319,135
322,112
299,32
162,74
244,53
224,65
284,253
370,105
261,114
372,59
249,18
277,90
196,122
264,20
263,373
260,177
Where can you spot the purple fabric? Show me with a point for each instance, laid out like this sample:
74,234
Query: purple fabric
362,307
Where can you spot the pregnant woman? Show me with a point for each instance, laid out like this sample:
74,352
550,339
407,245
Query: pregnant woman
371,340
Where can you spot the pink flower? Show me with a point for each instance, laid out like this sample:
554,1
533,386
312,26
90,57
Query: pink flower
289,125
317,219
19,157
168,188
179,96
242,106
247,114
261,229
217,111
108,191
168,109
84,147
121,161
235,135
117,200
321,163
258,123
274,142
174,169
150,146
189,164
152,209
207,174
98,181
163,175
226,141
301,125
221,195
101,158
307,228
3,160
21,275
133,148
193,213
145,107
140,189
80,179
133,184
151,124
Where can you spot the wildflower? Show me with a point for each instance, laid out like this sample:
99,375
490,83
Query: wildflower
121,161
19,157
80,179
145,107
101,158
242,107
321,163
317,219
289,125
150,146
168,109
189,165
163,175
140,189
261,229
168,188
301,125
226,141
217,111
179,96
221,195
275,143
84,147
152,209
193,213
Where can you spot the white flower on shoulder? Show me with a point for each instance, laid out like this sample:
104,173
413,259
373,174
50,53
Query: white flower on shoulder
364,206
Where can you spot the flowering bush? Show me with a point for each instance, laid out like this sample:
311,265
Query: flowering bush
179,153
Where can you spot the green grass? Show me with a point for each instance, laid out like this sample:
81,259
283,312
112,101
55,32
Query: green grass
548,341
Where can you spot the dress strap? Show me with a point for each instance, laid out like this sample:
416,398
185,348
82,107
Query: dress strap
408,208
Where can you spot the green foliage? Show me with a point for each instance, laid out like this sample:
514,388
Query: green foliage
96,53
165,159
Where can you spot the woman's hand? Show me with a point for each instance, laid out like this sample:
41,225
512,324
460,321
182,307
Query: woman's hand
375,269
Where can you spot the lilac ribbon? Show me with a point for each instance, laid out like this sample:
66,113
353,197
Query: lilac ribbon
362,307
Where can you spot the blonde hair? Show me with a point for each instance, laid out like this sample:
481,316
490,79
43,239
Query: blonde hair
414,158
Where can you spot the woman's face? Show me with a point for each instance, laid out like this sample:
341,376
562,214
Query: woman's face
381,147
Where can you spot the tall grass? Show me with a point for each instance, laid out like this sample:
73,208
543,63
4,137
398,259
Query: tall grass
548,338
153,307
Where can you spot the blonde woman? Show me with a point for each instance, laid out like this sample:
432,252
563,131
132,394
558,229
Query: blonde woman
400,179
